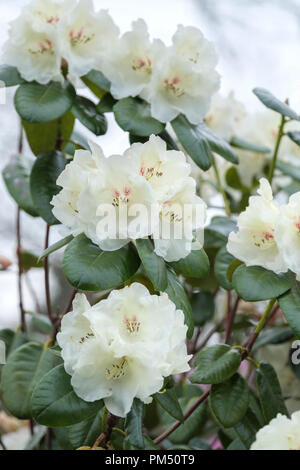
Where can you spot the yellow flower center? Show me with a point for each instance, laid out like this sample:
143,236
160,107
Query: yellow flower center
117,369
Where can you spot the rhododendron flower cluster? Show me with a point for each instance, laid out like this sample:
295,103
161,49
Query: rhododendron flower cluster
281,433
145,192
123,347
268,233
50,36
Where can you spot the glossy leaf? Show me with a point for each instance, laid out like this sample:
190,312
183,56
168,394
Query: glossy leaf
195,265
290,305
10,75
134,424
271,102
86,112
89,268
56,246
154,265
177,294
169,401
222,263
215,364
133,115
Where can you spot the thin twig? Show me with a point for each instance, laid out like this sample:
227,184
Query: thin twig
20,271
46,271
186,415
230,320
32,292
2,444
48,439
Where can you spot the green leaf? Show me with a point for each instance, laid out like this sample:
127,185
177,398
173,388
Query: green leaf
106,104
97,78
214,364
54,403
229,400
194,143
86,112
269,390
222,263
29,260
193,424
289,170
16,176
233,179
43,103
275,335
23,370
247,429
12,341
290,305
46,169
56,246
134,116
203,306
10,75
154,265
244,145
294,136
178,295
43,137
134,424
218,145
231,268
271,102
89,268
42,323
195,265
86,432
254,283
169,401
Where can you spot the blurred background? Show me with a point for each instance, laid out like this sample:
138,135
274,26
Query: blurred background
258,43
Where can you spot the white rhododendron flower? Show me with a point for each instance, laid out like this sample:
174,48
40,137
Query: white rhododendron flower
182,219
287,233
281,433
86,37
34,51
255,243
145,192
130,64
123,346
165,170
185,78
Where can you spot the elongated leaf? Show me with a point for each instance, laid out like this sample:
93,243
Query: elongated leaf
192,425
289,170
23,370
10,76
215,364
255,283
133,115
54,403
246,429
154,265
231,268
169,401
222,262
43,103
271,102
195,265
229,400
106,104
56,246
47,168
294,136
43,137
16,176
203,306
290,305
29,260
178,295
97,78
89,268
86,112
275,335
269,390
86,432
244,145
134,424
194,143
218,145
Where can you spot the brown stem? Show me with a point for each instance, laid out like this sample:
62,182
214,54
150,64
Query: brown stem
46,271
98,440
230,320
186,415
2,444
48,439
20,271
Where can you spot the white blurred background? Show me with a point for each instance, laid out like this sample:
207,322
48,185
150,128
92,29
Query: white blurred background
258,43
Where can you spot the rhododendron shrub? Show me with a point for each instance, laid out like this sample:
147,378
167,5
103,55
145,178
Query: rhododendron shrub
163,339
